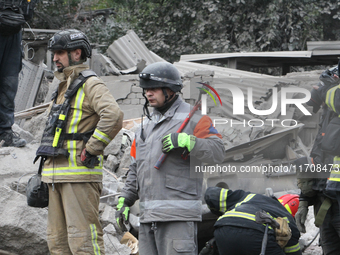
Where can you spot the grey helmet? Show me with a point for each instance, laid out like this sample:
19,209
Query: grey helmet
70,39
161,75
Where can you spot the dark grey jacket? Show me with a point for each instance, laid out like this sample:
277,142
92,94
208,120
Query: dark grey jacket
172,193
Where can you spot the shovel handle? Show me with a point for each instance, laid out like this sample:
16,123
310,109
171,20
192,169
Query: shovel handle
160,161
264,241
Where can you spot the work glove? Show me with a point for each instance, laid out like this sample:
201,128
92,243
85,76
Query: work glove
284,233
177,140
88,160
122,213
210,248
306,186
301,215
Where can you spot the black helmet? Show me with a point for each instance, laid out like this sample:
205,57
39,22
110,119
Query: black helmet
161,75
70,39
329,76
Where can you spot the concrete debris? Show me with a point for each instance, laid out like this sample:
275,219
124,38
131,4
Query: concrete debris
129,50
112,243
23,228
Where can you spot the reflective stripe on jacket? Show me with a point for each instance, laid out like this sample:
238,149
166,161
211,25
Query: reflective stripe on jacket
170,193
239,210
92,108
333,102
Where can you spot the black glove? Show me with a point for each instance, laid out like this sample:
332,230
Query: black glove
210,248
88,160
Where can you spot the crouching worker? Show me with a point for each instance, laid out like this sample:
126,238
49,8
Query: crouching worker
239,231
84,117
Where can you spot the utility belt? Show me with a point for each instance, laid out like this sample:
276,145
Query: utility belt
54,134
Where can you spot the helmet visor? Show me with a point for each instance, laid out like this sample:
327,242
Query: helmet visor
149,76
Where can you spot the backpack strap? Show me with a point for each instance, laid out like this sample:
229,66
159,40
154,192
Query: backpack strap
77,83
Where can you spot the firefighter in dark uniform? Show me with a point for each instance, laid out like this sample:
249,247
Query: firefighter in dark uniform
311,181
236,230
331,144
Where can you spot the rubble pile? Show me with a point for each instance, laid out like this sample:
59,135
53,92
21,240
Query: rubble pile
23,228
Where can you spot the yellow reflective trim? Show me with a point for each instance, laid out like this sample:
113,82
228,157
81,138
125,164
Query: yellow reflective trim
238,214
73,128
78,173
250,196
243,215
288,208
330,95
72,149
336,158
70,168
62,116
292,249
101,136
74,167
56,137
94,237
334,179
223,200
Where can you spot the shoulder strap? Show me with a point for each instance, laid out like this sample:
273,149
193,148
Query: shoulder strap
320,216
77,83
42,160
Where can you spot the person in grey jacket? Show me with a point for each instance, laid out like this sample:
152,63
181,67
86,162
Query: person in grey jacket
169,197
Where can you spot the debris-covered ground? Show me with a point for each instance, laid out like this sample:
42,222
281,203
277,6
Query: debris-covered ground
23,229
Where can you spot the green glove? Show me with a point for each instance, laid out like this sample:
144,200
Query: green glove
122,213
301,215
177,140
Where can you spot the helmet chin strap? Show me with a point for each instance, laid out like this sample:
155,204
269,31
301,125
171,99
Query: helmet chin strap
169,100
145,107
165,106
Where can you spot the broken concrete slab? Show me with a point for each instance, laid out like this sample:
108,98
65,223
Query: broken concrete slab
114,146
102,65
111,163
29,82
23,133
129,50
22,228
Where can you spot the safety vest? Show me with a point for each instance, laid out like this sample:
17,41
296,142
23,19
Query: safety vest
54,134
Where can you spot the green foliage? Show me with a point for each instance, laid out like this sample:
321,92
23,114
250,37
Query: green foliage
172,28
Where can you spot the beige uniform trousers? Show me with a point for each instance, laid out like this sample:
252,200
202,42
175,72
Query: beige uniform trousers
73,219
